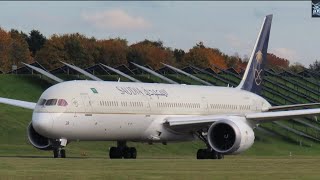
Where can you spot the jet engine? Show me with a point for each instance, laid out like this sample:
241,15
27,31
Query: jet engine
230,136
38,140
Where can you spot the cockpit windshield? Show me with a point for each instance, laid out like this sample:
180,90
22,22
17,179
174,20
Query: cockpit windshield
62,102
42,102
52,102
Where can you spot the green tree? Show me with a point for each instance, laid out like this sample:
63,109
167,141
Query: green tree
52,53
315,66
178,54
18,49
296,67
35,41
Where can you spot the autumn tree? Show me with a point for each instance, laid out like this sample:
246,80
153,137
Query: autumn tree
151,53
112,52
71,48
52,53
203,57
5,41
275,62
232,61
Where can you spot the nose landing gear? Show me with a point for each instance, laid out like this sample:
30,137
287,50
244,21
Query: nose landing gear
58,151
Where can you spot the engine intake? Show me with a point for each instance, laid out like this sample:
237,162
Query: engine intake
230,136
37,140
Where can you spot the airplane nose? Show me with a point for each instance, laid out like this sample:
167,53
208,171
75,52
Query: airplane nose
42,123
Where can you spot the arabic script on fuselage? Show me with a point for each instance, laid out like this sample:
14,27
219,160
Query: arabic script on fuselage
142,91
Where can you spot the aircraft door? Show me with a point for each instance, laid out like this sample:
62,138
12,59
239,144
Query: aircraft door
204,104
87,104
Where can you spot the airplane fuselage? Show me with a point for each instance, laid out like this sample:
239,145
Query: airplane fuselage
92,110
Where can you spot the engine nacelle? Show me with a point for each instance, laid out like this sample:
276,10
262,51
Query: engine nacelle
230,136
38,140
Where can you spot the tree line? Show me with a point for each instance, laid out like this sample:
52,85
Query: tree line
17,46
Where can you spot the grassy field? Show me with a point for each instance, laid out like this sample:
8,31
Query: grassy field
102,168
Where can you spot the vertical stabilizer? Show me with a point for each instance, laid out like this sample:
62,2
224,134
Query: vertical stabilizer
252,77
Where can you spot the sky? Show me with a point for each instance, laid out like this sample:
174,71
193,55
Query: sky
231,26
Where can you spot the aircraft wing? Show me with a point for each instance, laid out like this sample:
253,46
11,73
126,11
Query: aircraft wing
281,115
13,102
290,107
193,123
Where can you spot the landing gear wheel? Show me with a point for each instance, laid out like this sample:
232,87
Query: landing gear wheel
115,153
63,153
133,152
126,153
213,154
208,154
56,153
122,151
201,154
220,156
59,153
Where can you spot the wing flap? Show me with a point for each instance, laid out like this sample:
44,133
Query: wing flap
13,102
192,123
191,120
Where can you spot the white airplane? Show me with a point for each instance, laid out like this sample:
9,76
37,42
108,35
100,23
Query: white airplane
222,117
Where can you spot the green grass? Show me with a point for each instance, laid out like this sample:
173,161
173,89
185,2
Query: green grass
101,168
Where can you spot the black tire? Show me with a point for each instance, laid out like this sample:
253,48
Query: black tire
115,153
127,153
112,152
63,153
220,156
55,153
201,154
213,155
133,152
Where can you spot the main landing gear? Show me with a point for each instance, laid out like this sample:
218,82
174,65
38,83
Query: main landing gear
58,151
208,153
122,151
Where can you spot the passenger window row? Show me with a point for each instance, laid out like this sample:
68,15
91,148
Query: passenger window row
108,103
223,106
229,106
178,105
122,103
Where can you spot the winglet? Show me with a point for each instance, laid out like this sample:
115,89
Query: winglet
252,77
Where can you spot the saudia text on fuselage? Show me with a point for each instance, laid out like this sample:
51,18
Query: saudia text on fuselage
142,91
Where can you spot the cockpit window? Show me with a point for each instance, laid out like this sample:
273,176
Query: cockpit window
42,102
62,102
51,102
